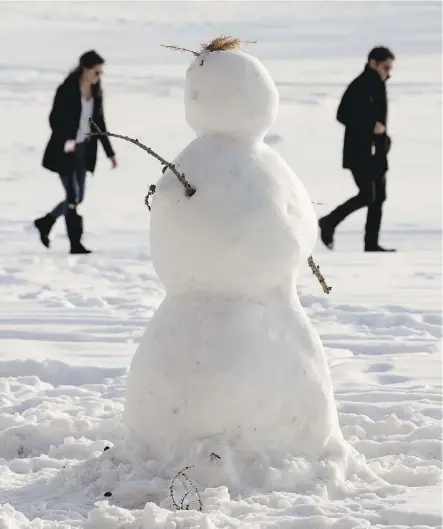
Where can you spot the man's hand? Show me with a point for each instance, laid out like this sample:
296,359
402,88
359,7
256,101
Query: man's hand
379,128
114,162
69,146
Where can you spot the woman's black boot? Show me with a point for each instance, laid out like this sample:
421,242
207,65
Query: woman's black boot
74,226
44,226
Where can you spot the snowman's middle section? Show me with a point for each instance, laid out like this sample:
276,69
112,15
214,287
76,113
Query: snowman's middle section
246,230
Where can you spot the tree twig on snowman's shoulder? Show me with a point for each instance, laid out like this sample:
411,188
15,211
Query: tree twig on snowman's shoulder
151,191
316,271
188,188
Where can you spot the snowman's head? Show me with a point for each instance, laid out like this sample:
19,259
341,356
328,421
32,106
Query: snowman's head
230,92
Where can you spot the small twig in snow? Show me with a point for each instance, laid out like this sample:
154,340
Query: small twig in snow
316,271
182,506
188,188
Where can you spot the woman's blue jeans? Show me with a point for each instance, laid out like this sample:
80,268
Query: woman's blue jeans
74,183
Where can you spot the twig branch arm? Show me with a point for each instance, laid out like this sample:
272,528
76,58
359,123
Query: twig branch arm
188,188
316,271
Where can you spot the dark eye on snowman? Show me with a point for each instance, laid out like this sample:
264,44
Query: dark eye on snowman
202,62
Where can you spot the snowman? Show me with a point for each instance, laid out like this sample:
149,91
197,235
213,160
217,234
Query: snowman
230,375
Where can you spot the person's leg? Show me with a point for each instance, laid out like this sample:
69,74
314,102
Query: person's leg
74,221
81,172
373,220
365,196
375,211
60,208
45,224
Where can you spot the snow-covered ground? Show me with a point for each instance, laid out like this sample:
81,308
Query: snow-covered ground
69,325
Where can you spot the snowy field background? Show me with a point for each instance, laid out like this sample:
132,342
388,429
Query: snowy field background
69,325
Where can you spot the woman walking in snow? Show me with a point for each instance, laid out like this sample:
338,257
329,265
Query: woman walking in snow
71,152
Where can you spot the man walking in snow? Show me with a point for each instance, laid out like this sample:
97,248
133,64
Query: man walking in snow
363,111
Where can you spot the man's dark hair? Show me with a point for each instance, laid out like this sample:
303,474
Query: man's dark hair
380,54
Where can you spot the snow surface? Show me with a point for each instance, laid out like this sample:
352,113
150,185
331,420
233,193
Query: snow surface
70,325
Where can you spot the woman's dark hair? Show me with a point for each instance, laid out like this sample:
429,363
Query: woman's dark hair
380,54
88,60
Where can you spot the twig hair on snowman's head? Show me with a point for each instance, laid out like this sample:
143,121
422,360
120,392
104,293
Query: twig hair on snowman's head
221,43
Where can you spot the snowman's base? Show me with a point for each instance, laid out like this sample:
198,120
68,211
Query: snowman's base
251,374
212,463
240,391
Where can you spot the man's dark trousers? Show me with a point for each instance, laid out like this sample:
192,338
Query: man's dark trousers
372,193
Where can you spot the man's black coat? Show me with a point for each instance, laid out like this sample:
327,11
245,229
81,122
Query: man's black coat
362,105
64,121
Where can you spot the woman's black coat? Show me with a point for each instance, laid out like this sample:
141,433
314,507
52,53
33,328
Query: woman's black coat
64,121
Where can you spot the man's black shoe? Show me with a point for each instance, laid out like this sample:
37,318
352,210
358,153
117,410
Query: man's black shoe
326,233
377,248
